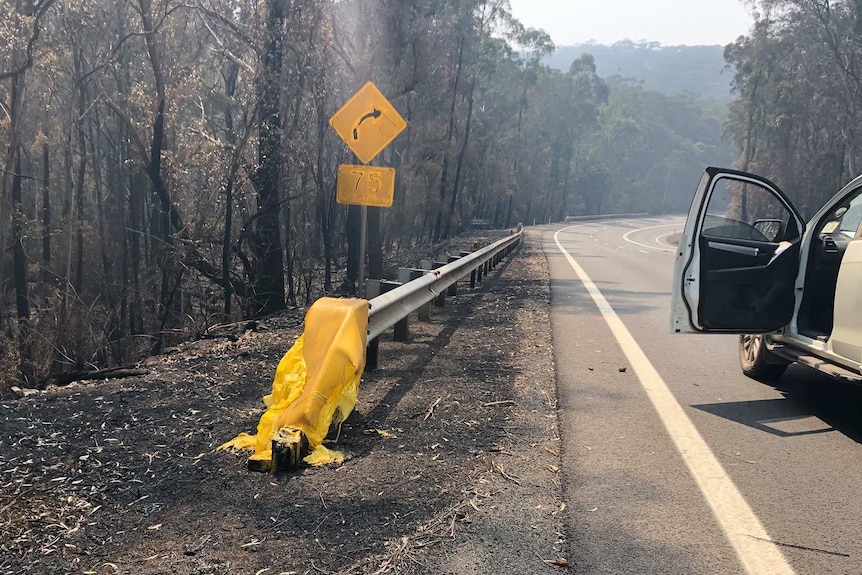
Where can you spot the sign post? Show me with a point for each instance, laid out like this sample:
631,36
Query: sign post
363,240
367,123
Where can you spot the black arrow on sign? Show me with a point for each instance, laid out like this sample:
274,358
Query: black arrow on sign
375,113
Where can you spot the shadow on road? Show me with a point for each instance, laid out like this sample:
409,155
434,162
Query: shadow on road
570,295
813,403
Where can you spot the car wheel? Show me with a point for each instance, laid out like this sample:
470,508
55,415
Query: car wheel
758,362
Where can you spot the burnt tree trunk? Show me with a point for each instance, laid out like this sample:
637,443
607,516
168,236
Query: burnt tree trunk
168,217
322,206
19,264
46,206
459,167
268,253
79,209
450,134
230,78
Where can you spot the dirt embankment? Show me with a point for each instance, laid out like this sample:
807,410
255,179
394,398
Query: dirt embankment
454,457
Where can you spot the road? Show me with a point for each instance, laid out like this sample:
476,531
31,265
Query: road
774,486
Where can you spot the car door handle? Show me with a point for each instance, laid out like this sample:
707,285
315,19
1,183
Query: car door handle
733,248
829,246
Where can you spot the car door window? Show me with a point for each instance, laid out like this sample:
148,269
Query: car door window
746,211
844,220
851,218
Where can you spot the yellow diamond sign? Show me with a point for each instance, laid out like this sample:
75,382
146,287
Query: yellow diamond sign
367,123
366,185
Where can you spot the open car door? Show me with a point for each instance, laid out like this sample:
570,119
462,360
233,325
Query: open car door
738,258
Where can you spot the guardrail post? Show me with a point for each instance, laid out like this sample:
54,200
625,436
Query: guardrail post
372,290
472,273
440,300
453,289
402,328
425,309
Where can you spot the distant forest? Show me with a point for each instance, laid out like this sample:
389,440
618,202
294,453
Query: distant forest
665,111
699,70
168,166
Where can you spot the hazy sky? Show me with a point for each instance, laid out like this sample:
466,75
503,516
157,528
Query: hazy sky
670,22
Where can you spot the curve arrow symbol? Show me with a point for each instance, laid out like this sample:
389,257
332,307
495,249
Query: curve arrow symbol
374,114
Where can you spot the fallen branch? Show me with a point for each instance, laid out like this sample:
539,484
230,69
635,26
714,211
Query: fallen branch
63,379
554,562
511,478
504,402
218,330
430,411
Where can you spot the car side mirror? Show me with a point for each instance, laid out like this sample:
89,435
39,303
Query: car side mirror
772,229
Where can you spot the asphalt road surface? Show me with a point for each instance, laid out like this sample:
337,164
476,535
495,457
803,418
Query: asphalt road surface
674,461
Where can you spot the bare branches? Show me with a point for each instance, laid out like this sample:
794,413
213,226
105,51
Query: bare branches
38,11
137,142
22,176
152,49
338,48
223,48
234,28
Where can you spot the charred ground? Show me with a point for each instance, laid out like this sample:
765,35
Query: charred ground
454,456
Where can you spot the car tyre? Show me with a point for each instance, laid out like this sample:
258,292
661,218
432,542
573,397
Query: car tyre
758,362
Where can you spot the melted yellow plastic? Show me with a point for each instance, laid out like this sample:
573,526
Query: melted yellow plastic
316,382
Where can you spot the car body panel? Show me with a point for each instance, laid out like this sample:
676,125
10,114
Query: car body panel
846,337
813,224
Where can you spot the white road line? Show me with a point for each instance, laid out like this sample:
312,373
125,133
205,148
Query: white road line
744,532
631,241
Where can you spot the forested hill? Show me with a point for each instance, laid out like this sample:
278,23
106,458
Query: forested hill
669,69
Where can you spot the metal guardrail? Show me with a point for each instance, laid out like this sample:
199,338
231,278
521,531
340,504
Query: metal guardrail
605,217
393,306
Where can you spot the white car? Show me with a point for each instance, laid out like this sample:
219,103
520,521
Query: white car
747,263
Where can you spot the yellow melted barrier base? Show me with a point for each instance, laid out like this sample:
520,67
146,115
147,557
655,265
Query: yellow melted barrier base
314,389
